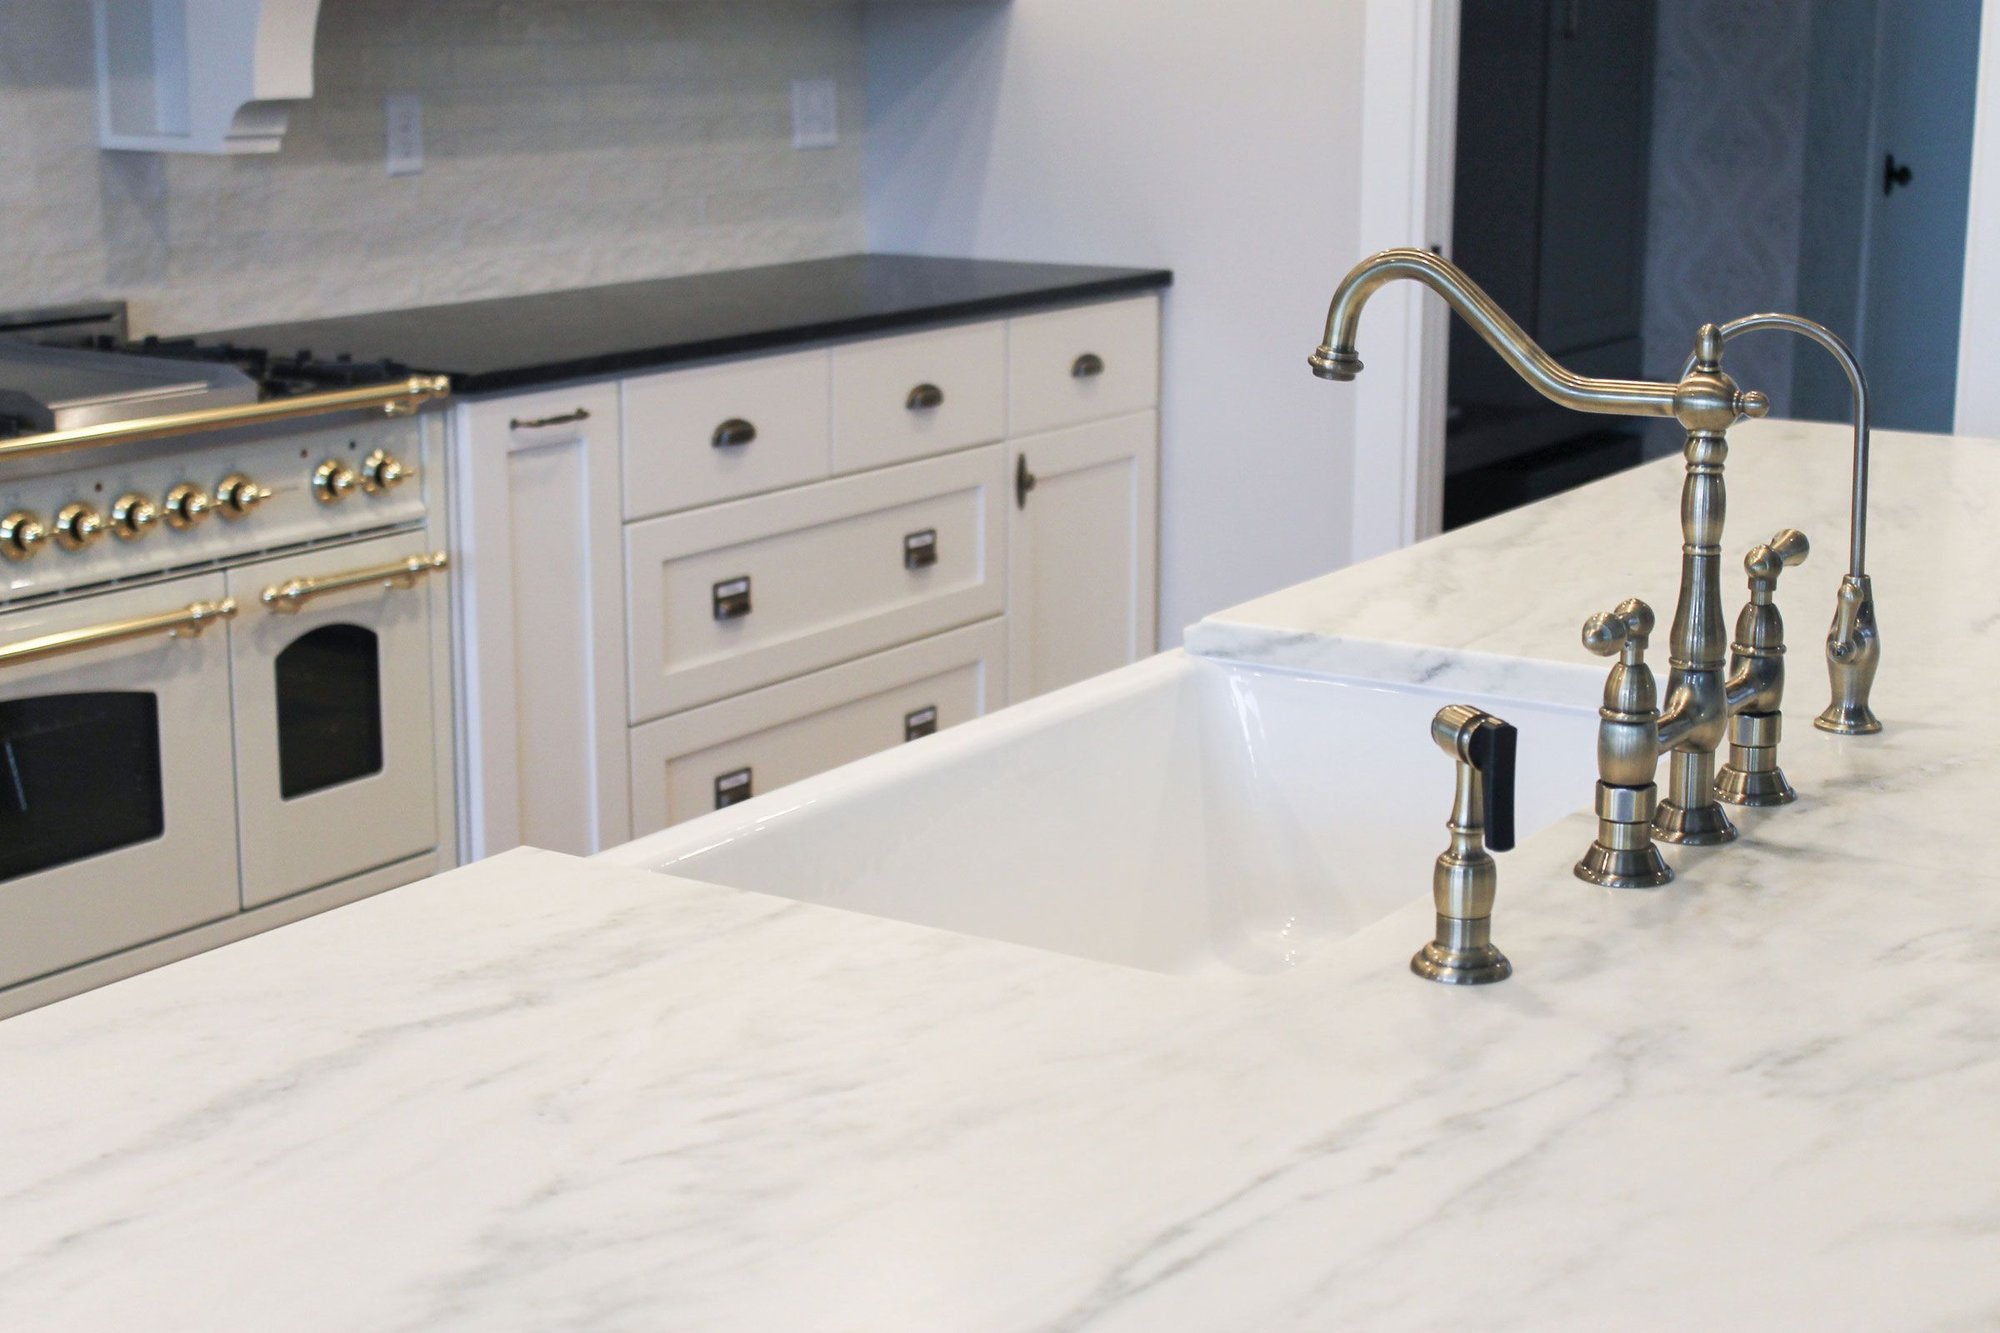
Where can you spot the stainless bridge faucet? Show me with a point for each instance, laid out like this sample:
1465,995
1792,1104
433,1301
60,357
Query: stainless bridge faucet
1699,701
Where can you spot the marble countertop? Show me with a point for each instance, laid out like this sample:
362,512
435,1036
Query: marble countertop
545,1093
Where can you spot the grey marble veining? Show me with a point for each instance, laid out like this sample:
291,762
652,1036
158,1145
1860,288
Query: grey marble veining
544,1093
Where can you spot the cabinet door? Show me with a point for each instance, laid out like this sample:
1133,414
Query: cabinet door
1081,556
542,675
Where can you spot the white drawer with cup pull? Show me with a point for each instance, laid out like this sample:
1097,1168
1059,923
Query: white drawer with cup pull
693,437
712,757
895,399
732,597
1082,364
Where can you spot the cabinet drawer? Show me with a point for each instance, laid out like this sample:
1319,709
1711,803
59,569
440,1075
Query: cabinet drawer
708,757
735,596
1081,364
895,399
693,437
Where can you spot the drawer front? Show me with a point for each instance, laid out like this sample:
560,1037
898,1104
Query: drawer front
693,437
1081,364
736,596
895,399
710,757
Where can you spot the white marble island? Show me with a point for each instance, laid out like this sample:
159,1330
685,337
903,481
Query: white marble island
542,1093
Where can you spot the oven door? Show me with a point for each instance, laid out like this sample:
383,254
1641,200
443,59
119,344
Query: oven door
117,824
336,765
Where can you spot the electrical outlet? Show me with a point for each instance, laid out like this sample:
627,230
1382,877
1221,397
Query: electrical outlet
815,113
404,113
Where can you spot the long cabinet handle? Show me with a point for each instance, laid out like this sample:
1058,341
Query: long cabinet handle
289,597
186,622
536,423
1024,481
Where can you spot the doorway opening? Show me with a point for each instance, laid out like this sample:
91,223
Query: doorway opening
1627,170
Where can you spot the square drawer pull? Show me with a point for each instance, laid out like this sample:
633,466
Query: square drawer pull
920,723
1087,365
924,396
731,598
733,434
920,549
733,787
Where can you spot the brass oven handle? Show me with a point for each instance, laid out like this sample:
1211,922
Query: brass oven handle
286,598
185,623
395,399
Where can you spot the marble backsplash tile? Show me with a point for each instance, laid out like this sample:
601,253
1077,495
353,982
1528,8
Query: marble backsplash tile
566,142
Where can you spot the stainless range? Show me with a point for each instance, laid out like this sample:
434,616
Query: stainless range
224,696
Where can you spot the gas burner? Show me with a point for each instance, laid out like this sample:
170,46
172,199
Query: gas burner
276,376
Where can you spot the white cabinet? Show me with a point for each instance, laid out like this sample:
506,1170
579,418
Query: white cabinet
1081,552
708,758
700,583
541,670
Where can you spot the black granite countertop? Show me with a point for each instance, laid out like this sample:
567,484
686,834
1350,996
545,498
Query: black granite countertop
518,342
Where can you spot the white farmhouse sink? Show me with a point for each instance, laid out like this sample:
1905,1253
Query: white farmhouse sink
1174,815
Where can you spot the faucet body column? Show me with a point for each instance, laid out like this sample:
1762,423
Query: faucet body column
1695,719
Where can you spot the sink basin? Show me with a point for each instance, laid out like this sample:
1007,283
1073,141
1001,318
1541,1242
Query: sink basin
1179,814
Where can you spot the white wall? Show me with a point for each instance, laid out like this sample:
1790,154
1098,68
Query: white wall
1219,140
567,144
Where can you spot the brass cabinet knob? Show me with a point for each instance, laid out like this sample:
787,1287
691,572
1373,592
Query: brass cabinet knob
187,505
132,517
236,495
333,481
77,526
21,535
382,471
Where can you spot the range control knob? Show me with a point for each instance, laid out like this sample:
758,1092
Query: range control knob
236,495
382,471
21,535
132,517
333,481
187,505
77,526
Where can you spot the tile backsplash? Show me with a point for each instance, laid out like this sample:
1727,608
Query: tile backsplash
566,142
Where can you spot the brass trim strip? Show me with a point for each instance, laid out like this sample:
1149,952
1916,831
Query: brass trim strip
187,622
288,598
395,399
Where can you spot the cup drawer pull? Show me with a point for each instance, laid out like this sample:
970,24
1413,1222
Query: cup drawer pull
1087,366
731,598
924,397
733,434
920,549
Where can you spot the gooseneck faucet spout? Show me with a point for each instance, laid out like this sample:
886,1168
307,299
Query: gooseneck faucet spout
1699,402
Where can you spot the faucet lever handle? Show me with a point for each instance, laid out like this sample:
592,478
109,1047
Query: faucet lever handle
1625,628
1764,562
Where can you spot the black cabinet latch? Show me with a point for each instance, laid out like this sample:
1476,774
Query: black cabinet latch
731,598
923,722
733,788
920,549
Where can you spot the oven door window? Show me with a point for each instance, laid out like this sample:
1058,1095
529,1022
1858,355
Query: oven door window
329,709
79,777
